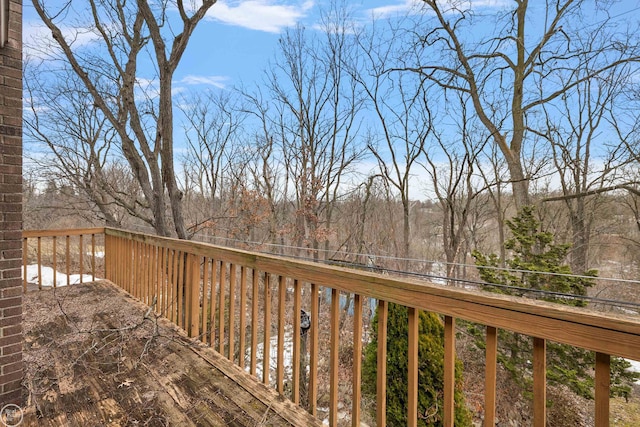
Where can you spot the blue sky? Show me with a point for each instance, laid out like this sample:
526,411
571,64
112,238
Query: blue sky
238,37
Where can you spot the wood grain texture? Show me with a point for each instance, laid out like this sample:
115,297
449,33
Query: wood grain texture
602,386
539,382
449,370
179,381
381,373
491,358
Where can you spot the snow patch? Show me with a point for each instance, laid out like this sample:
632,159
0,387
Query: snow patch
46,277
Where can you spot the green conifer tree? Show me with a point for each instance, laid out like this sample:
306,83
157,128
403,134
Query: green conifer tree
431,370
533,255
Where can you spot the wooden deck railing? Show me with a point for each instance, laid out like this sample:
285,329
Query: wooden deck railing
239,302
79,251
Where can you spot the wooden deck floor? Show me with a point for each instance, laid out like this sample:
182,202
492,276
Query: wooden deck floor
95,357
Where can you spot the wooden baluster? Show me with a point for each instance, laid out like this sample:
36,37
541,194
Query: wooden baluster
266,353
144,273
68,238
254,322
602,386
357,360
381,388
242,314
412,368
181,291
206,290
491,357
334,329
296,343
39,263
128,270
25,248
135,262
120,255
93,257
449,369
157,275
282,292
313,349
55,261
81,250
212,302
194,293
539,382
222,307
232,311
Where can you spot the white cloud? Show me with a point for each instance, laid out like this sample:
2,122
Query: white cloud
393,9
38,40
408,6
216,81
271,16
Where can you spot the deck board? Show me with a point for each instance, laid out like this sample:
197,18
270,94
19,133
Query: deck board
95,356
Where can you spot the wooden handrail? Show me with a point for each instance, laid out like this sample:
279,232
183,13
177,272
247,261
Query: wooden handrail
62,232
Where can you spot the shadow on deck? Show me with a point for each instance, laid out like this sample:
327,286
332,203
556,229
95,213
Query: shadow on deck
95,356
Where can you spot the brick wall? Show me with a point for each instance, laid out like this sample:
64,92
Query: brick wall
11,210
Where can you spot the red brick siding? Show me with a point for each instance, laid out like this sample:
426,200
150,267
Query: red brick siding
11,210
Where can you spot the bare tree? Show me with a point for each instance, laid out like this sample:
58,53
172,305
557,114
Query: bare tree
266,170
213,131
451,164
71,139
314,123
129,34
402,112
587,155
515,70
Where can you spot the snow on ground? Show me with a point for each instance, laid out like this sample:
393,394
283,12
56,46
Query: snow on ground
47,276
273,357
